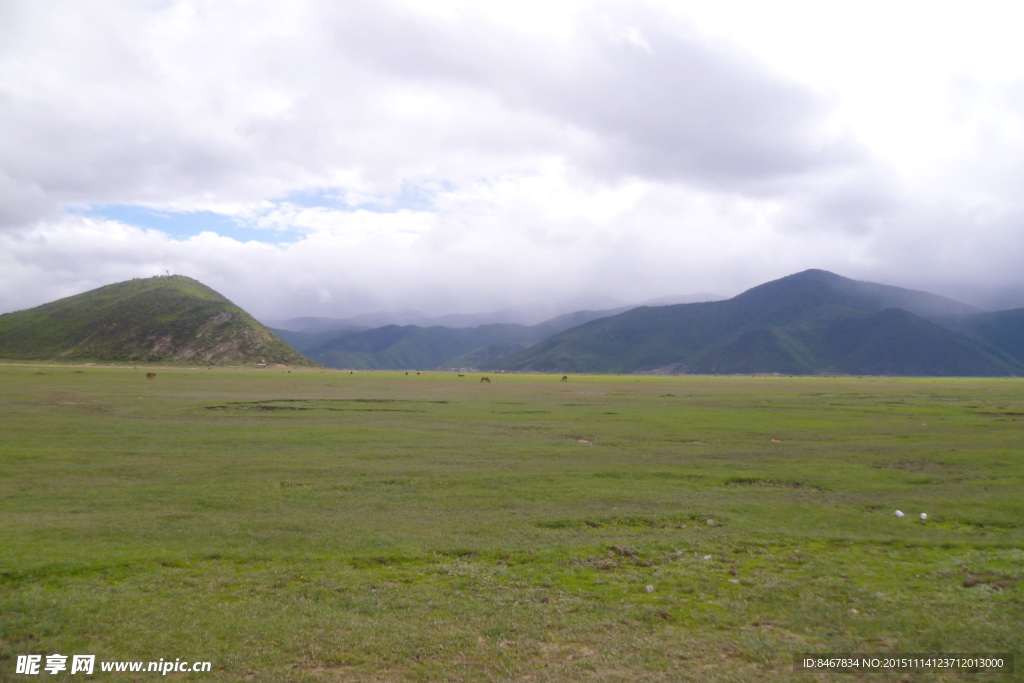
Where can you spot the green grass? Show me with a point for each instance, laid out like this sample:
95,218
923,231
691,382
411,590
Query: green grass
317,526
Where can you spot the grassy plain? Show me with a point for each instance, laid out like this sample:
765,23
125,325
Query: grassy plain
320,526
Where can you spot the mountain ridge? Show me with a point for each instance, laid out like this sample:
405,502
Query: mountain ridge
793,325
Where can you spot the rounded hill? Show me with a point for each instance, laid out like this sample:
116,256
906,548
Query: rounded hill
166,319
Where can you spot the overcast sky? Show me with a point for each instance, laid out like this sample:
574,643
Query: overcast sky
334,158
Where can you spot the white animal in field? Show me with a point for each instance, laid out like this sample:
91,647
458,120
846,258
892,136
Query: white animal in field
899,514
924,515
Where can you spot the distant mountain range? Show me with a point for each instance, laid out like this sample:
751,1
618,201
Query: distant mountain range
412,347
172,319
809,323
814,322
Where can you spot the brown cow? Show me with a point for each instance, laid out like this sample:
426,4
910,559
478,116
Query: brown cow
485,379
565,378
150,375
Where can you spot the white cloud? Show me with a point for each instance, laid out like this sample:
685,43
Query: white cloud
458,156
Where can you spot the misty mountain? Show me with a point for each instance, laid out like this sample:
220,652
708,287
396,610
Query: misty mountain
313,325
528,316
703,297
401,318
412,347
807,323
407,318
1000,333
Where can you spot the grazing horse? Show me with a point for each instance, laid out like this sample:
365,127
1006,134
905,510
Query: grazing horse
150,375
485,379
565,378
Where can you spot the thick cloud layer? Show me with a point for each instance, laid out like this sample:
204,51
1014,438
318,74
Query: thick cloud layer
461,157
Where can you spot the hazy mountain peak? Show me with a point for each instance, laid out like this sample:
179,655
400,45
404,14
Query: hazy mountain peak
822,287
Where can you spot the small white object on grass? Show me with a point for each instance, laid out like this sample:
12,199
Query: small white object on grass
924,515
899,514
649,588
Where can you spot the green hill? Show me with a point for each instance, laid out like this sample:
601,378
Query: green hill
172,319
809,323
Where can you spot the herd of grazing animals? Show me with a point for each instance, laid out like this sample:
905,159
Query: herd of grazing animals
483,380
